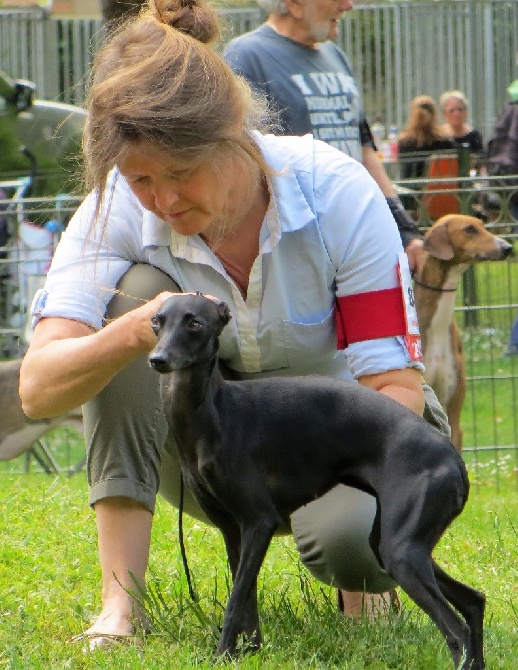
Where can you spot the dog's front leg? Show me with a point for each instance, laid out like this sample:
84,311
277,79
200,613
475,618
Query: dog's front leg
241,614
250,619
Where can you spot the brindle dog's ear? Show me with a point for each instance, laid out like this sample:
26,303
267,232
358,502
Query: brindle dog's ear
224,313
437,240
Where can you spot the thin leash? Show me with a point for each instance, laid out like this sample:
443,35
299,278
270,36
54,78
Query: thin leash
192,593
194,596
439,289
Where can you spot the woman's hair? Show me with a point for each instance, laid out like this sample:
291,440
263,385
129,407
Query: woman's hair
456,95
273,6
158,80
422,122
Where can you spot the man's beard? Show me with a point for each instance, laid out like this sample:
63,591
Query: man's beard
321,31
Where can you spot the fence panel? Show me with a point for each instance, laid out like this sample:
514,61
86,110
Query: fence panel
398,50
485,308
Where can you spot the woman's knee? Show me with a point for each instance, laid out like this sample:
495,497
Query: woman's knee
434,412
125,429
332,536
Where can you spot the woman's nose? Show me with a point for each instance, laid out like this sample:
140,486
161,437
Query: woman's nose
165,196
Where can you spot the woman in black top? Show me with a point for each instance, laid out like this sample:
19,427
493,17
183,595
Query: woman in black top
454,107
420,137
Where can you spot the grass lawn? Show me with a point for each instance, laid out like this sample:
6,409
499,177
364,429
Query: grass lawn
50,578
49,581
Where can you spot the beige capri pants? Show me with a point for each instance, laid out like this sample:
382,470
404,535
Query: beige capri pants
131,454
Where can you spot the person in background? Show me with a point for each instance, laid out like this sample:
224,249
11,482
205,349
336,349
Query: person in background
454,108
502,161
189,194
308,80
420,137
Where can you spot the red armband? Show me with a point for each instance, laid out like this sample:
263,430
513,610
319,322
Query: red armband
369,316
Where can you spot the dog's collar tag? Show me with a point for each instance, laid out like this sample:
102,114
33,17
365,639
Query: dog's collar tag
412,336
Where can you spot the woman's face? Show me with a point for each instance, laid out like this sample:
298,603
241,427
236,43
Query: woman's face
455,112
191,198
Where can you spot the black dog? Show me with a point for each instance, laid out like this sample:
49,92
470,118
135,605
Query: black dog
252,452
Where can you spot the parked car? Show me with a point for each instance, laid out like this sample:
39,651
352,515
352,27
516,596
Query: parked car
51,132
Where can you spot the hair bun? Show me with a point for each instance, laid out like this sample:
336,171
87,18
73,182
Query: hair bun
193,17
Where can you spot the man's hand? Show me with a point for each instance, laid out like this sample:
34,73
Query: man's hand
415,252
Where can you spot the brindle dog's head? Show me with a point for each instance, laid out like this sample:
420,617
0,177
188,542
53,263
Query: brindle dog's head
459,238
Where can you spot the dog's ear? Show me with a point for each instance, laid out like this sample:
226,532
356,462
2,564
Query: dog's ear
224,313
437,242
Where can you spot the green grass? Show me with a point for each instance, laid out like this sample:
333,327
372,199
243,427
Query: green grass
50,578
49,581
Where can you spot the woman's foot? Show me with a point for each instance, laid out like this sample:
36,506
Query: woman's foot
124,530
357,604
120,622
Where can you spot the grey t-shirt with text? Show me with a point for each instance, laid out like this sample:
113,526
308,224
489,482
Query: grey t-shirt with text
313,90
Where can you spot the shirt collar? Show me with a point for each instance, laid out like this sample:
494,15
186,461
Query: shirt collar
155,232
290,169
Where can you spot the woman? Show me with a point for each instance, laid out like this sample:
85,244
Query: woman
454,108
188,195
420,137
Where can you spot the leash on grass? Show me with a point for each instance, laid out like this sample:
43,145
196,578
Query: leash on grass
194,596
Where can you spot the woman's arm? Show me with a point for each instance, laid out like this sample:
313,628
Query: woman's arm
405,386
68,362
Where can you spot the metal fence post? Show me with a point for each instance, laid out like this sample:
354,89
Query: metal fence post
469,284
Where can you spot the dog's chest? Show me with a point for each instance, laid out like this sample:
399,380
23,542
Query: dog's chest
439,357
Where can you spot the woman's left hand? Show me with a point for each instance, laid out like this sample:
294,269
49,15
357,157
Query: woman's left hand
405,386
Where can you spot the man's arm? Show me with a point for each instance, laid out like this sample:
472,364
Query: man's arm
411,237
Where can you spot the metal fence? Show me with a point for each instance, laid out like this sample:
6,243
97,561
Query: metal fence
398,50
33,226
403,49
487,301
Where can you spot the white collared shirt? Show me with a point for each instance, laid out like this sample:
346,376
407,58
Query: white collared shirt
328,232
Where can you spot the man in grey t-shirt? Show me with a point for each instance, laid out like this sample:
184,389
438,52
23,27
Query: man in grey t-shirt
309,82
313,90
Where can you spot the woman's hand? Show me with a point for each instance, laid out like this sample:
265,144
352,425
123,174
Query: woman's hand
405,386
68,363
139,323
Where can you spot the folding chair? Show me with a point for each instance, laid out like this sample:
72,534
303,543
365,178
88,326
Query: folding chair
438,199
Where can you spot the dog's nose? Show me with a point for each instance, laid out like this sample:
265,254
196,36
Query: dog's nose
159,362
507,249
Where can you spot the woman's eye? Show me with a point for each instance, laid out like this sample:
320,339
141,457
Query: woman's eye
136,180
179,175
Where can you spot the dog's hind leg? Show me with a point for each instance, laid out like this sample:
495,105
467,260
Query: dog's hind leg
411,566
255,540
471,604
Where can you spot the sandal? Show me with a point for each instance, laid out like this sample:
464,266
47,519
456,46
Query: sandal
93,640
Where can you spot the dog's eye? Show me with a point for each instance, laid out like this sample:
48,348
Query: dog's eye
156,322
194,324
471,230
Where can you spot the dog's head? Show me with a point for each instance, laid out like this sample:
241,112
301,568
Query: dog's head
463,239
187,326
